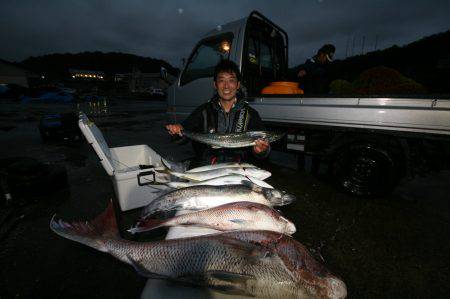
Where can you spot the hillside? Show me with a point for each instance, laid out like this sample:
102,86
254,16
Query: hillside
57,65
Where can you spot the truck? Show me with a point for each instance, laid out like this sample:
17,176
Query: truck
367,143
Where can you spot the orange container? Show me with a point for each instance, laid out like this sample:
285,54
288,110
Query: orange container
282,87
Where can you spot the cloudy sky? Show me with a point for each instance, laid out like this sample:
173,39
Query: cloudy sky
169,29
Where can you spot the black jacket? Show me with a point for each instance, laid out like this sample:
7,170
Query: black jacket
316,80
211,118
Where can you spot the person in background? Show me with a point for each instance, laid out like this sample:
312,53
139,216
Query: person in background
226,112
313,74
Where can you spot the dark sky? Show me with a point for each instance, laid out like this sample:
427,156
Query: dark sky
169,29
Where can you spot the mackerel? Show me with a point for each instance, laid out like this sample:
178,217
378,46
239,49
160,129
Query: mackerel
233,140
205,197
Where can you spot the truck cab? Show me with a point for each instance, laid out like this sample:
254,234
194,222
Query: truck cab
257,45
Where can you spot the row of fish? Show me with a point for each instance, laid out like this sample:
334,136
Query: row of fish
254,256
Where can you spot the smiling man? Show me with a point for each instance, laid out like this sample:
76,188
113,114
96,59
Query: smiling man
226,112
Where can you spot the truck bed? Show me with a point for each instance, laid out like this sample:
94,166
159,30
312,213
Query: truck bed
430,116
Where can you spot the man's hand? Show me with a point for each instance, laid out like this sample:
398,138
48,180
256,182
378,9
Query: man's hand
301,73
260,146
175,129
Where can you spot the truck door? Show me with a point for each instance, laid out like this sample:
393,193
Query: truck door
195,85
265,53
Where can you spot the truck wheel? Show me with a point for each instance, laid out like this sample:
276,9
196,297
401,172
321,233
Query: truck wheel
365,169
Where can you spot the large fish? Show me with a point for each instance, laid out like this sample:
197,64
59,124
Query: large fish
221,261
233,140
241,215
232,179
205,197
258,173
221,165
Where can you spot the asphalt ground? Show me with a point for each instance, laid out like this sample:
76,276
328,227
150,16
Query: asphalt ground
396,246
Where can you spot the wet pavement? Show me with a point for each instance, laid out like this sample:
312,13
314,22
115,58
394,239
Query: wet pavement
397,246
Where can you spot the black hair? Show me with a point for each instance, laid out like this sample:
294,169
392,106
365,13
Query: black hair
227,66
327,49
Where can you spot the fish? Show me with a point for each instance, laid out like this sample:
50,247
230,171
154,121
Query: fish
231,179
241,215
205,197
233,140
255,172
221,165
241,263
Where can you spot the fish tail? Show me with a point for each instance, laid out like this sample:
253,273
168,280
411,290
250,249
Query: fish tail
92,233
144,225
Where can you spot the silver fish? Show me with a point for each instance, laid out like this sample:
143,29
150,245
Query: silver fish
221,261
255,172
233,140
231,179
221,165
241,215
205,197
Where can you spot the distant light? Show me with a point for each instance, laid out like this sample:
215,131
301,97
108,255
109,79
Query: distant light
219,27
42,77
180,11
73,76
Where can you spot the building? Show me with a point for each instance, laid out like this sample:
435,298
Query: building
86,74
13,74
138,81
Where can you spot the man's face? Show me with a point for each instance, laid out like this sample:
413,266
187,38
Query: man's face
226,85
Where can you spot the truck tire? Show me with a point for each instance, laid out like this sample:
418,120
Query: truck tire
365,169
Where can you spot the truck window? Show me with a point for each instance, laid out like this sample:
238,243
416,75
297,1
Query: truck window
205,57
266,56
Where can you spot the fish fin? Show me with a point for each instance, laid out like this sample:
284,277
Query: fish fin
252,186
225,282
253,251
229,276
146,225
232,283
240,221
140,269
91,233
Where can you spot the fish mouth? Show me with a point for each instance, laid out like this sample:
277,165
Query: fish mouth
291,229
285,199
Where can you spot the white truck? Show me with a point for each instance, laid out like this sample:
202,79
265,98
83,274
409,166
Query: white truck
368,143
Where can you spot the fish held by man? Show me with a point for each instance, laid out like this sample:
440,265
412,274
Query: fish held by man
204,197
220,261
233,216
233,140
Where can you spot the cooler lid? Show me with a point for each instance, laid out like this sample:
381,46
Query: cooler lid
95,137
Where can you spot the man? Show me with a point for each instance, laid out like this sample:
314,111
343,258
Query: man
313,73
226,112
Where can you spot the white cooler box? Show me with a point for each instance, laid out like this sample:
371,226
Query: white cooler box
131,168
